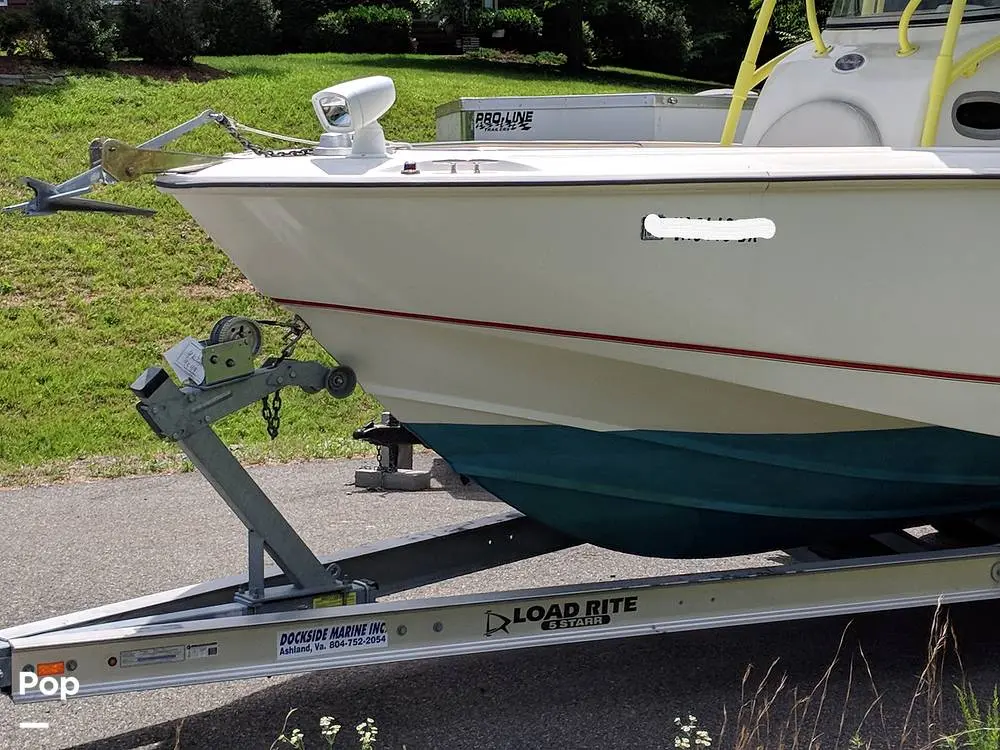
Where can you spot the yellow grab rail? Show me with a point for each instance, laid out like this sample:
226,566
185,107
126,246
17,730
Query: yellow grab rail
946,70
814,31
941,77
750,75
761,74
748,68
906,48
968,63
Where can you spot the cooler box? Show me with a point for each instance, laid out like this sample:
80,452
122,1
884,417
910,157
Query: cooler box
590,117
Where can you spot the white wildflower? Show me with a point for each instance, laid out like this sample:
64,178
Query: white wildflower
367,732
328,729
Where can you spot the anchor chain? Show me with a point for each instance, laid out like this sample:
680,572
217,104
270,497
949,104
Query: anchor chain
231,127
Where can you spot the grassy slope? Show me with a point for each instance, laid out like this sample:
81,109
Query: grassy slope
88,301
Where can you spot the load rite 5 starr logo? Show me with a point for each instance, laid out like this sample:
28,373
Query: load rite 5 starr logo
562,615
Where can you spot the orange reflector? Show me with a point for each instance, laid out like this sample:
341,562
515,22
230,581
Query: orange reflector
51,668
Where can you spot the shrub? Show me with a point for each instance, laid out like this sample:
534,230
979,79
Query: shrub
297,30
412,6
31,45
522,29
551,59
556,26
366,28
78,32
716,55
486,23
643,34
589,42
239,27
163,31
459,16
14,26
788,24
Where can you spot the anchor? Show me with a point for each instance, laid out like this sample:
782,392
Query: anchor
114,161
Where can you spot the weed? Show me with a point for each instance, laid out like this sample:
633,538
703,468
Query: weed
981,732
367,731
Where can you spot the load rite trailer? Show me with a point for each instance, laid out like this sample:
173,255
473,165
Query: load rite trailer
312,613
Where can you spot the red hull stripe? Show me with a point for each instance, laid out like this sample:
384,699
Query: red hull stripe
655,343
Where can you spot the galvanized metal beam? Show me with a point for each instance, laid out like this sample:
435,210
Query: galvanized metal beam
176,653
186,415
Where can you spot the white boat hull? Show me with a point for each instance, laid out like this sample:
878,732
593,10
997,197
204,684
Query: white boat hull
824,311
680,398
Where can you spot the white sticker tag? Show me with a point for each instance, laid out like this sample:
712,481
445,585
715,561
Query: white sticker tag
202,650
185,359
710,230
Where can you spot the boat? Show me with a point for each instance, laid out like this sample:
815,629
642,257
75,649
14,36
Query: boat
682,350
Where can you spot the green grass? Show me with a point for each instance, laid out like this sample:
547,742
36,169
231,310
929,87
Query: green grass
88,301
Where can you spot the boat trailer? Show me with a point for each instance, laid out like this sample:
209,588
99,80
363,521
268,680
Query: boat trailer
310,613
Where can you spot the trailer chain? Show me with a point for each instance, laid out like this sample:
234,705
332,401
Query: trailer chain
271,412
272,416
232,128
296,330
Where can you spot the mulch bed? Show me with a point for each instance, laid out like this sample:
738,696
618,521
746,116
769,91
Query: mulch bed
198,73
24,65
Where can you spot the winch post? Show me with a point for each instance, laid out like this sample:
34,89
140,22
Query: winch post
185,415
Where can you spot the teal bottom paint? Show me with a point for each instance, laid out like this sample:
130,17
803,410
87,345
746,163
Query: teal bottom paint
676,494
